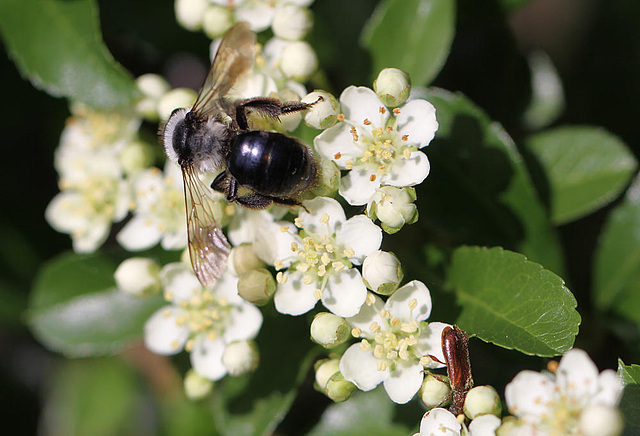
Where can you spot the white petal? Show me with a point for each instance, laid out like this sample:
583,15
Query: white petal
138,234
359,104
92,237
321,209
162,333
62,215
259,16
408,172
336,143
227,287
294,297
361,368
417,119
484,425
357,187
367,316
345,293
403,383
398,303
272,244
360,234
439,422
179,282
610,389
430,343
245,323
175,240
529,395
577,376
206,357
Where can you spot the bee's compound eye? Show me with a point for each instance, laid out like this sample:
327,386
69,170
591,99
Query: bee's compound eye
174,134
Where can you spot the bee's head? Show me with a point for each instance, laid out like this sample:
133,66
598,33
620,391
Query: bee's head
175,136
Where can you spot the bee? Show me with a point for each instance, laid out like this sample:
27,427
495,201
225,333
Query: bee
258,167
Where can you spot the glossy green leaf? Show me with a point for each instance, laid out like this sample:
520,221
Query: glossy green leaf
365,413
479,191
630,402
93,398
412,35
616,270
512,302
76,309
254,404
57,45
586,168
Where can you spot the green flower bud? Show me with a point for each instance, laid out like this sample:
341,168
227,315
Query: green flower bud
325,369
136,155
338,389
257,286
324,113
392,86
482,400
244,259
329,330
382,272
138,276
394,207
434,392
241,357
196,387
328,180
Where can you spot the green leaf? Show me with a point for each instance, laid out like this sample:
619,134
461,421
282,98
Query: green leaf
75,308
512,302
586,168
616,272
412,35
479,191
365,413
630,402
255,404
58,46
94,398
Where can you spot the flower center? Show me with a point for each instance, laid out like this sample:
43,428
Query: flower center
206,314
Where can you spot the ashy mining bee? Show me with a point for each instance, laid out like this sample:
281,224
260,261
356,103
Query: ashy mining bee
259,167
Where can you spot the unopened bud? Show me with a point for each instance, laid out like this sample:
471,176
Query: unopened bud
152,87
324,113
136,155
216,20
485,425
382,272
244,259
338,389
189,13
325,369
329,330
298,61
240,357
196,387
138,276
392,86
174,99
434,392
291,22
394,207
328,180
256,286
482,400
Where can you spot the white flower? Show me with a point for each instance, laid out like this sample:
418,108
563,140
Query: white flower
382,272
317,263
396,345
159,211
138,276
394,207
379,146
439,422
548,404
258,13
291,22
484,425
202,321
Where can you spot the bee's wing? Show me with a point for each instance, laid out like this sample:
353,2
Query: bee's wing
234,57
208,247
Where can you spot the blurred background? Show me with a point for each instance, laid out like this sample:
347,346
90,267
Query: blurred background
594,44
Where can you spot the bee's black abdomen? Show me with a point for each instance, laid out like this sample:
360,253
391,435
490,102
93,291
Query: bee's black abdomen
270,163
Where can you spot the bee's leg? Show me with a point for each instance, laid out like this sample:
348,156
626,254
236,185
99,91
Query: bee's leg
254,201
221,183
271,107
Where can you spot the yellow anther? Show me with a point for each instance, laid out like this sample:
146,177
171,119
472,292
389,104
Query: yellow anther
284,228
322,270
317,294
348,252
378,351
406,153
188,345
365,345
281,277
356,331
382,365
413,303
324,218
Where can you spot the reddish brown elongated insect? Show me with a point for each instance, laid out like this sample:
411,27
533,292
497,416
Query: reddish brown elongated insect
455,347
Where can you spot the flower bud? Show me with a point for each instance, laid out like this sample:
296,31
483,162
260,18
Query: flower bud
153,87
244,259
138,276
290,121
394,207
601,420
329,330
484,425
434,392
298,61
240,357
392,86
136,155
324,113
482,400
216,20
176,98
338,389
328,180
325,369
256,286
189,13
291,22
382,272
196,387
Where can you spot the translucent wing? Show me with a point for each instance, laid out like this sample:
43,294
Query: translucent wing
208,247
234,57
